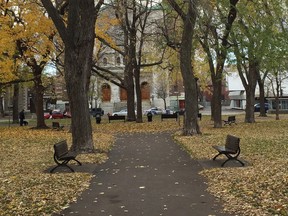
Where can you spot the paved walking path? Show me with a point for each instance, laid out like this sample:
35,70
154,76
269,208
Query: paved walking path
147,174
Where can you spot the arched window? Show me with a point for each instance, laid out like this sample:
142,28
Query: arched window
145,91
106,92
123,94
118,60
105,61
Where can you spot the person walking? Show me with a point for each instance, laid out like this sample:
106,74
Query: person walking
21,117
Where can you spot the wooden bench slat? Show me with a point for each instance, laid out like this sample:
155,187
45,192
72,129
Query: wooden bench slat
62,155
230,120
116,118
167,116
231,149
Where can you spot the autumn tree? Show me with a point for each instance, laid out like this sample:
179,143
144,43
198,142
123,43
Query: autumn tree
215,25
258,45
188,15
136,32
274,63
77,32
31,46
162,87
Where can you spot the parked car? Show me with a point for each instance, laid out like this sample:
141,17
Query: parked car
123,112
47,115
154,111
120,113
168,111
257,107
57,114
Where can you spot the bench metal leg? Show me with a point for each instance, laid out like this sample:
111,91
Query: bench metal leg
65,163
232,158
77,162
229,157
62,164
214,158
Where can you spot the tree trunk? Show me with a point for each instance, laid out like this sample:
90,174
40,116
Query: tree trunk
217,100
277,102
130,63
2,114
250,100
138,95
78,65
38,96
191,126
262,98
76,82
78,35
15,101
252,78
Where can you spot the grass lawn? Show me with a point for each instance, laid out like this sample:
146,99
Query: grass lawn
260,188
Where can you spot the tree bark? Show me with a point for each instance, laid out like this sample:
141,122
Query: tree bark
139,118
217,100
262,98
76,83
129,60
220,44
15,109
78,38
191,126
252,78
39,93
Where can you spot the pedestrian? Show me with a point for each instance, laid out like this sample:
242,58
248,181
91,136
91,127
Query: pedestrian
21,117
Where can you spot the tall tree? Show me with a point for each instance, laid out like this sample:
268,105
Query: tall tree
257,43
216,23
31,42
78,35
188,17
137,34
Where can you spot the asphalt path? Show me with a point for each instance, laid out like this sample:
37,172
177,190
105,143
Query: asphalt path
147,174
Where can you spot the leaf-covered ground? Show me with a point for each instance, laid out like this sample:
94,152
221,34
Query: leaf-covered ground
26,188
260,188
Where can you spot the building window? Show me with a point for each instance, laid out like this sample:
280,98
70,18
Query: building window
105,61
106,92
145,91
123,94
118,60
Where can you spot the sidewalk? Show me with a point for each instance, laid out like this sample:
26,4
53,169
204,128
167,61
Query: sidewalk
147,174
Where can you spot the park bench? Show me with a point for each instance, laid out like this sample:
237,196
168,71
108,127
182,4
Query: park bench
230,120
62,155
57,126
166,116
231,149
116,118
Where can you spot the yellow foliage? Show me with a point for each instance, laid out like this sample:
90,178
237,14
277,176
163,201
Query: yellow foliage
32,28
105,25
